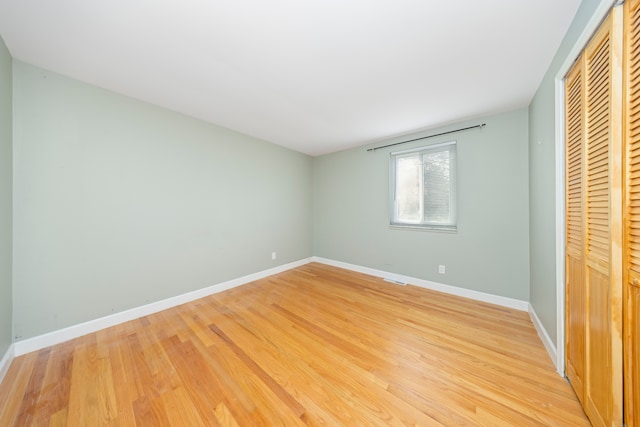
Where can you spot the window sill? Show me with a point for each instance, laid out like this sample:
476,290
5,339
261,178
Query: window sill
449,229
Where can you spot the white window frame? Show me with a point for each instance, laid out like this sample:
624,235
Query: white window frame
452,224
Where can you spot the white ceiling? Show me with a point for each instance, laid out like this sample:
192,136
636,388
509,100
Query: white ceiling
315,76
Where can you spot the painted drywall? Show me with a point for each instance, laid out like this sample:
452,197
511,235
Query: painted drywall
118,203
490,251
6,197
542,190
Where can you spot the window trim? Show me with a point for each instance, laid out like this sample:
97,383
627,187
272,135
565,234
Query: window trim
449,227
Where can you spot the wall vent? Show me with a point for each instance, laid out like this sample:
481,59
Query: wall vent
397,282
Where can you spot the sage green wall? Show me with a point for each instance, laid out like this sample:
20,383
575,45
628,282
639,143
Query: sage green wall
5,198
490,251
542,187
119,203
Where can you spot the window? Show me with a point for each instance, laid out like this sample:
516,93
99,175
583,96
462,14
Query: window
423,187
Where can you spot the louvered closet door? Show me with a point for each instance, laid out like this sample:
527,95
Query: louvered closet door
603,227
575,286
632,215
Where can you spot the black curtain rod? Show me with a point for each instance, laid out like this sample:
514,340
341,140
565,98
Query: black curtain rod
430,136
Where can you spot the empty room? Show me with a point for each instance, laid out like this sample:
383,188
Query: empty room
356,213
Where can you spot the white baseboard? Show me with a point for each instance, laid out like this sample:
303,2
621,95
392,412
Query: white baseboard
453,290
6,360
42,341
545,338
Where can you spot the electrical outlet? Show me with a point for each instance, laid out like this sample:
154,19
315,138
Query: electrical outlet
441,269
273,255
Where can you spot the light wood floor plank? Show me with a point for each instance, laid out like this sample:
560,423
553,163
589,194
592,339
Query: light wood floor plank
313,346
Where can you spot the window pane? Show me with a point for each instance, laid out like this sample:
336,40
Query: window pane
408,189
437,187
423,187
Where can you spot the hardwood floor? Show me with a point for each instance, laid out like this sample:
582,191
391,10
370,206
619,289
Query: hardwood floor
316,345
